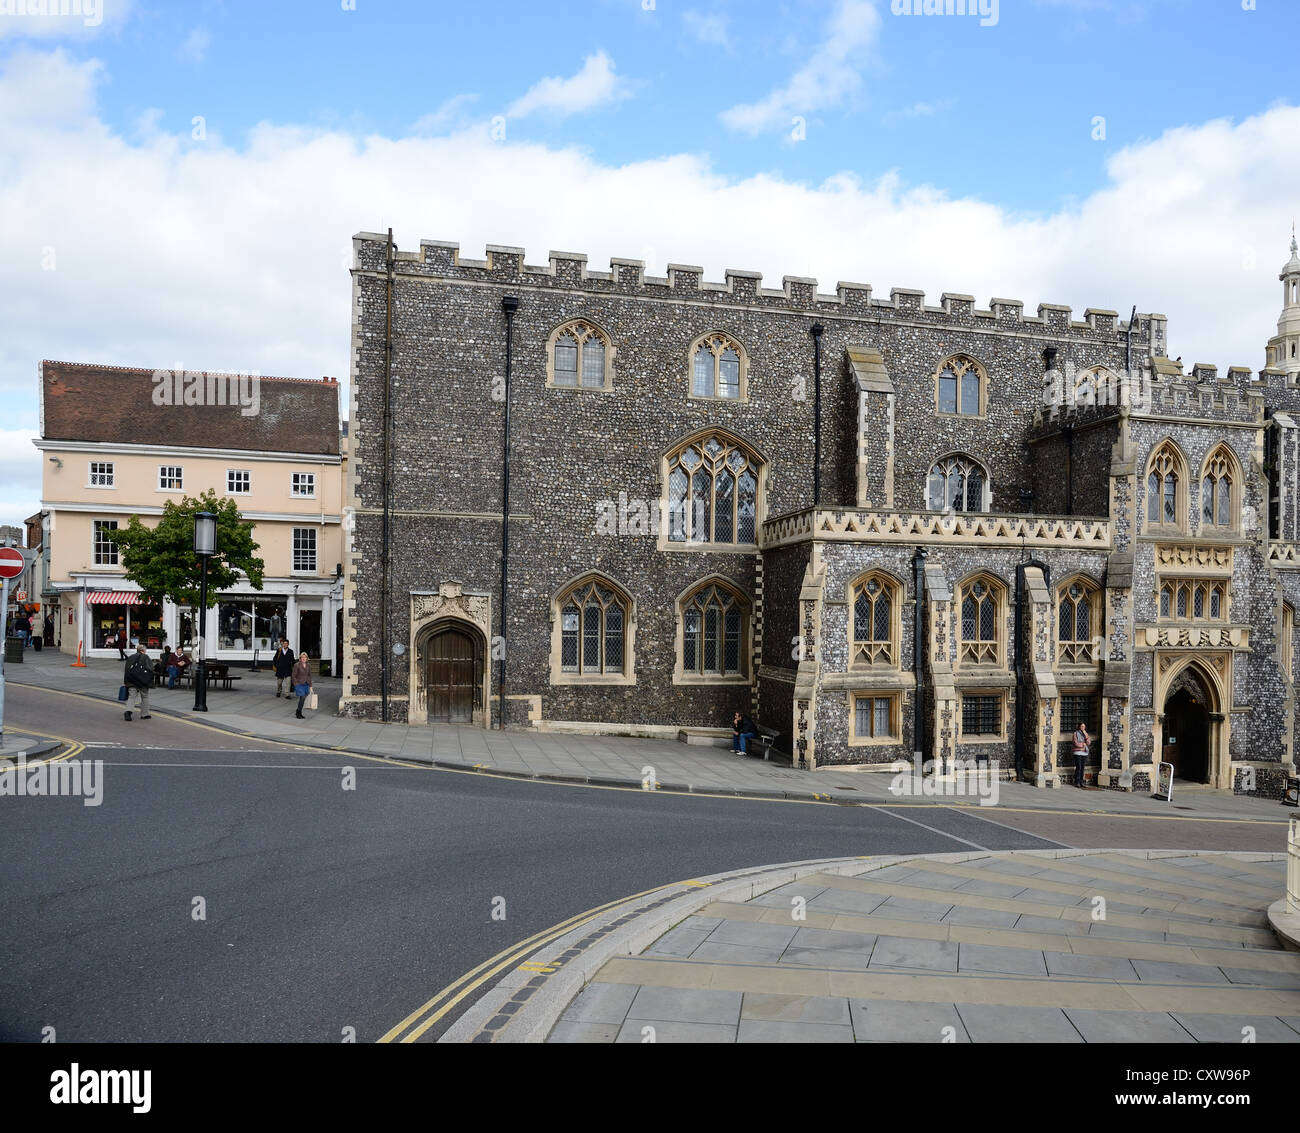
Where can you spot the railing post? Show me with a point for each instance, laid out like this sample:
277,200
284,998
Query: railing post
1293,867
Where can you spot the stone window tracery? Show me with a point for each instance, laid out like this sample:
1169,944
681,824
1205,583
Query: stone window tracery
714,626
874,600
718,367
1077,622
579,356
957,483
1166,487
713,493
1219,490
981,621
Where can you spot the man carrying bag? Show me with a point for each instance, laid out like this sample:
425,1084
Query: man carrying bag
139,676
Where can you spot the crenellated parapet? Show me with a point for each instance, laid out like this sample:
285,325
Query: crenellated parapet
968,529
505,264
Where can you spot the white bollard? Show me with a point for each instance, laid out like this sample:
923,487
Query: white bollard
1293,868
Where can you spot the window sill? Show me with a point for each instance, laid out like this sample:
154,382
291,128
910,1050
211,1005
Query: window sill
714,397
678,545
581,389
605,680
683,679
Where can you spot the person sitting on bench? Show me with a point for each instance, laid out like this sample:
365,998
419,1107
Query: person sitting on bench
742,731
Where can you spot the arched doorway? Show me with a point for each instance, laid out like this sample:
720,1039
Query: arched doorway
452,676
1187,732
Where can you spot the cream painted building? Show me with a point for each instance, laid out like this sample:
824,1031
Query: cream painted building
118,442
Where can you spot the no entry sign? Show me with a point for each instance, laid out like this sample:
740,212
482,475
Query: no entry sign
11,563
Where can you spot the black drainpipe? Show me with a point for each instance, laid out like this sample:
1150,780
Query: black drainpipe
509,304
1020,655
385,480
816,331
918,654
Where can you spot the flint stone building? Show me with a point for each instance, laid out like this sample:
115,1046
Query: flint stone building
878,526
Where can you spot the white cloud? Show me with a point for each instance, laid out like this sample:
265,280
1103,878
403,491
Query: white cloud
595,85
170,252
710,28
61,19
451,112
831,74
196,45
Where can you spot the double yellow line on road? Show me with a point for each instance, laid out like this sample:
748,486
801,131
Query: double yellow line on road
427,1014
74,748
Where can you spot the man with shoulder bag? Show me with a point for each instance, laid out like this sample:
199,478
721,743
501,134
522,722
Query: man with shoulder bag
138,676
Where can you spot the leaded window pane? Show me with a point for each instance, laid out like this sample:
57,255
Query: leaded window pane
974,490
566,361
881,727
593,363
970,393
862,607
1225,501
947,392
702,484
969,617
614,638
1215,603
882,618
691,640
711,639
1207,500
725,503
732,652
591,638
1171,499
729,374
1153,498
677,506
1182,601
1164,602
569,639
1065,620
1198,602
986,620
934,491
862,725
747,509
702,385
1083,618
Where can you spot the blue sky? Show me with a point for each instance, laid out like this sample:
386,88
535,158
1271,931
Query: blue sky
1093,152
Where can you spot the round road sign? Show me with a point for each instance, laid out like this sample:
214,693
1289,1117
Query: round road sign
11,563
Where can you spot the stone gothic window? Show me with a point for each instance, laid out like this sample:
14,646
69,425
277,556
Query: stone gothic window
1166,480
718,367
1185,600
875,606
1077,623
714,632
981,621
959,387
713,494
593,621
957,483
1218,489
580,357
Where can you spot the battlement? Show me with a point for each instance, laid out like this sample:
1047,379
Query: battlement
505,264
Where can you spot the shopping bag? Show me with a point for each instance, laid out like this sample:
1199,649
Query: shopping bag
123,693
311,702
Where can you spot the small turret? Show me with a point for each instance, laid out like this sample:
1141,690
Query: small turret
1284,347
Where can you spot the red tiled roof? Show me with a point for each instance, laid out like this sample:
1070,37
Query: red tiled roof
129,405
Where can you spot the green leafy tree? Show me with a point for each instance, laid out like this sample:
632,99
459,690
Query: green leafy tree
161,559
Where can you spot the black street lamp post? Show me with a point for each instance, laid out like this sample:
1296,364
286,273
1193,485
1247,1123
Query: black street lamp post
205,546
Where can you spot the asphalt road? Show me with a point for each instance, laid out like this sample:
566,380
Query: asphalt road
328,908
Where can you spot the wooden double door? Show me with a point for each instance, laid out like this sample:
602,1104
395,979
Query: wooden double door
452,675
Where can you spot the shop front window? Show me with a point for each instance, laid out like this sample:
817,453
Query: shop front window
251,623
137,622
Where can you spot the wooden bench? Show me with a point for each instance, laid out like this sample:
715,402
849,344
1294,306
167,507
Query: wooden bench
765,739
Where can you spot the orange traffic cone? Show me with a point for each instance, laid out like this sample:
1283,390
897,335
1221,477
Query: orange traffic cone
78,663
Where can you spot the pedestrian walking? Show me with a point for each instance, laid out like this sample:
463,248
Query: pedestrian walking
172,665
118,639
49,629
23,627
1082,741
138,675
283,663
301,682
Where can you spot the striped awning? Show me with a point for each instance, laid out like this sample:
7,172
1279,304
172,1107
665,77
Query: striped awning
114,598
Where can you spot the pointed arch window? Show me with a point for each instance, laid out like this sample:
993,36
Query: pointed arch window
714,634
1220,491
713,493
1285,638
1166,487
1183,600
875,609
594,624
579,356
1078,617
960,387
718,367
957,483
982,615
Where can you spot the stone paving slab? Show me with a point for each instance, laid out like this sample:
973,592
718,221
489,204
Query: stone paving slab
757,971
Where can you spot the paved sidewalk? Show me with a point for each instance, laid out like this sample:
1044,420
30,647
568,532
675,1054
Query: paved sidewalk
1004,947
252,708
